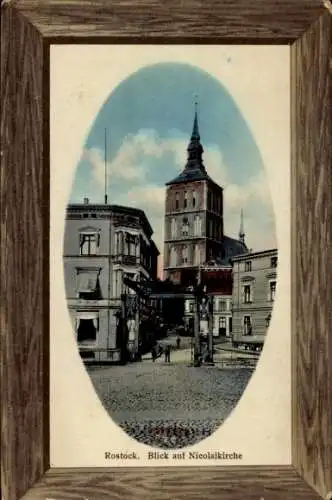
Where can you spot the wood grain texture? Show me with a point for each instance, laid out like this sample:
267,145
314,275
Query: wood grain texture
235,483
312,254
28,27
260,21
24,424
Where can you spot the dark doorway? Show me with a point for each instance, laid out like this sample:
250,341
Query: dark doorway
222,326
86,331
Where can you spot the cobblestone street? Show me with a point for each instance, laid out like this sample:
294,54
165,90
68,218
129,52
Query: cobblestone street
169,405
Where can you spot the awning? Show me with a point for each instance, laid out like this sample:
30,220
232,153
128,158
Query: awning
87,281
84,315
87,315
124,230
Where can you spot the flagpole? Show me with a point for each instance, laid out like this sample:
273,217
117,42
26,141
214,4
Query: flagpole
105,151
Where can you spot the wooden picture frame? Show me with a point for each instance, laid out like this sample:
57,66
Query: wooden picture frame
29,27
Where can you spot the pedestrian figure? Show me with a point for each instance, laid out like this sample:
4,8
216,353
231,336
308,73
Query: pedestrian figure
139,352
178,342
167,351
154,354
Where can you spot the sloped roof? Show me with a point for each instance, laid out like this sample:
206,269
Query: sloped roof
194,169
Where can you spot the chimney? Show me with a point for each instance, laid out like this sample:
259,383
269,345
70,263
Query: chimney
86,201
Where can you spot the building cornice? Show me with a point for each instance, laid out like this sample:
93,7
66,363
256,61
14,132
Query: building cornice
251,255
111,210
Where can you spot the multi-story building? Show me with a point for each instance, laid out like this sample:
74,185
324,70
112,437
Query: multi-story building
104,244
217,281
194,220
254,289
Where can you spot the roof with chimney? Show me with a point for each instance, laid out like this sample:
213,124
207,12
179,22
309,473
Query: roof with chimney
194,169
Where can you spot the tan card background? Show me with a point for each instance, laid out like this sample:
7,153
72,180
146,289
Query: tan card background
82,77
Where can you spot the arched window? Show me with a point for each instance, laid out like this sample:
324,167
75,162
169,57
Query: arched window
197,255
185,227
173,228
185,255
177,201
197,226
209,200
173,257
185,202
194,200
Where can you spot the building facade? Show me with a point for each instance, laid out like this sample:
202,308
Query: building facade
254,290
194,220
104,244
217,281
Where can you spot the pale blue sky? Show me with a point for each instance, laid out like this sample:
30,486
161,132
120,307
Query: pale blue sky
149,119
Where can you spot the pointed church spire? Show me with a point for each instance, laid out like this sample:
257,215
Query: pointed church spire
195,148
195,132
194,169
241,232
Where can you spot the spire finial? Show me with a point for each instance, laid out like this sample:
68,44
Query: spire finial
241,232
195,132
105,168
196,103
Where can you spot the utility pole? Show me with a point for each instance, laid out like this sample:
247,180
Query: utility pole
210,329
124,340
197,346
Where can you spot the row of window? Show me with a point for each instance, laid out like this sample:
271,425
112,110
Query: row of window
127,244
185,227
88,284
214,203
247,292
87,327
189,200
248,327
215,229
248,264
124,243
220,305
188,255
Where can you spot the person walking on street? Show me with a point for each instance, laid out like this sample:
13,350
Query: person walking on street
167,351
139,352
154,354
178,342
160,350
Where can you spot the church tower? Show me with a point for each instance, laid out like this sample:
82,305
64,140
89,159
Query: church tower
194,227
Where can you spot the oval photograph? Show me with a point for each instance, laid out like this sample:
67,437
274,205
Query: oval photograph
170,255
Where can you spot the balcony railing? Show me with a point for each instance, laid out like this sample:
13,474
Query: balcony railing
129,260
